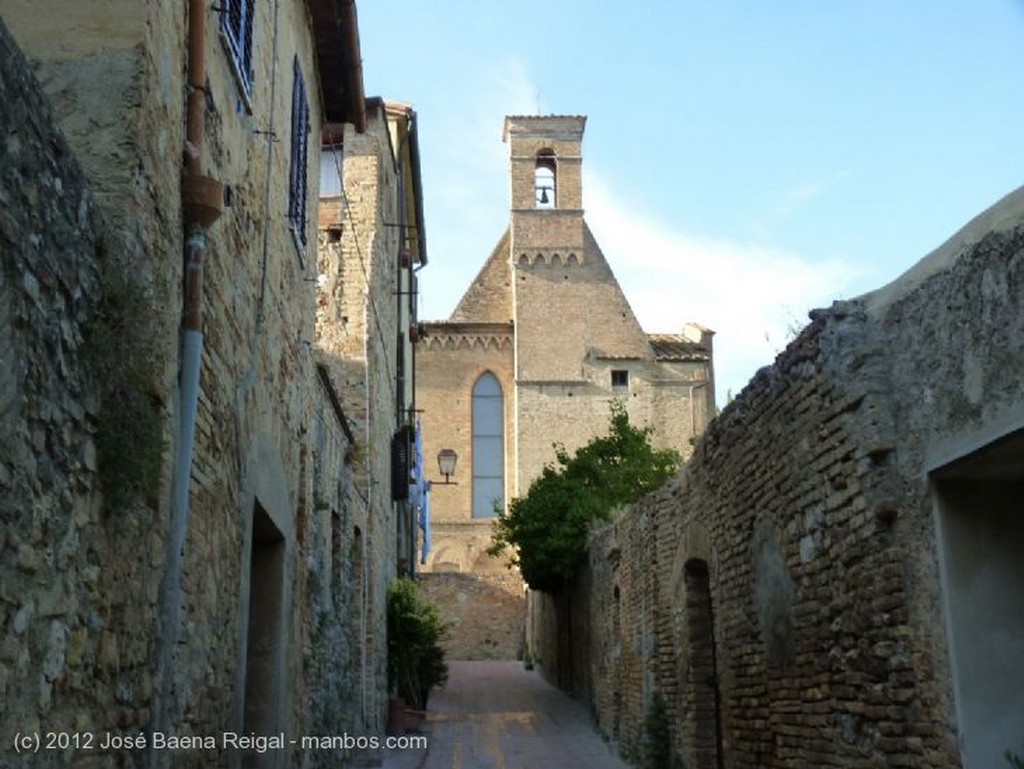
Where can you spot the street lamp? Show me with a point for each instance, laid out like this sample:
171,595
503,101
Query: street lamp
446,459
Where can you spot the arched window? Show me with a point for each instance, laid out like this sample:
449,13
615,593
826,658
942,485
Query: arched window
488,446
544,173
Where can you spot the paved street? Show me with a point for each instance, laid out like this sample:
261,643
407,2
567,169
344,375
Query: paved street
496,715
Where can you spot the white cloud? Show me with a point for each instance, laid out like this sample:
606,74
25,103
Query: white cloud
466,179
794,200
753,296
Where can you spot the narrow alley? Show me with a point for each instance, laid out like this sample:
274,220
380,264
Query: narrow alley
499,716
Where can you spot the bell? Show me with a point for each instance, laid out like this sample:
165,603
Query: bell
544,196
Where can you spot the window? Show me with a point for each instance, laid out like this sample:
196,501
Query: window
236,26
297,183
544,180
620,379
331,160
488,447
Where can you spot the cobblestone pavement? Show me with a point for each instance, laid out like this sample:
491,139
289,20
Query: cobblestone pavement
496,715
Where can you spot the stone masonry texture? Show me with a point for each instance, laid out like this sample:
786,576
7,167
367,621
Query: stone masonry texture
274,619
785,595
73,653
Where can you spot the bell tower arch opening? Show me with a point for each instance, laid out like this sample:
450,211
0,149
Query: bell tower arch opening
546,164
545,176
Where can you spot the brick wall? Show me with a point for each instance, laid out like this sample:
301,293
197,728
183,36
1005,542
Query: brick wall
486,613
808,510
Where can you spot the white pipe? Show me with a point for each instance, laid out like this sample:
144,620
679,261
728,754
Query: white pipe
191,361
168,619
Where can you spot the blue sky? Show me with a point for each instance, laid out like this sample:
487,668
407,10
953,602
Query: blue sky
744,162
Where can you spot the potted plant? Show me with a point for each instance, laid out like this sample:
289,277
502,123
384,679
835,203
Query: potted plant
416,661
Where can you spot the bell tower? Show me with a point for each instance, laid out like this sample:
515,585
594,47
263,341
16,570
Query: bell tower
545,162
547,187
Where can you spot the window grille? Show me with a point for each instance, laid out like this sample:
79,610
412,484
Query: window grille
236,25
297,184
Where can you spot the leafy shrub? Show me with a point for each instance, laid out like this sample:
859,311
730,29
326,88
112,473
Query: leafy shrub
416,661
546,532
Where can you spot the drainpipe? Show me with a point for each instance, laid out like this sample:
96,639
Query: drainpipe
202,202
354,66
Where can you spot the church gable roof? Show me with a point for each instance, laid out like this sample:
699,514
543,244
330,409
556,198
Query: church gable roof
489,297
615,329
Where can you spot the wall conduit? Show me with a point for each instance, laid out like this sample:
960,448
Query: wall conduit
202,202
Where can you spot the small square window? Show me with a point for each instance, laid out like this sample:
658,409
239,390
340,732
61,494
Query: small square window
620,379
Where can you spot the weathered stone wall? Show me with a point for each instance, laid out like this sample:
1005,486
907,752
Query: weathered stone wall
358,325
486,613
340,689
77,585
275,554
784,595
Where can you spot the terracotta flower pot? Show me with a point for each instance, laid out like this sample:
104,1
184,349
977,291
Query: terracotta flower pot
396,716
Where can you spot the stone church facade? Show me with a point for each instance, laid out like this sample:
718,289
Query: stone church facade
539,345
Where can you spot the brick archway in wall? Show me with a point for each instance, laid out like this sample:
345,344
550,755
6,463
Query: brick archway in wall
694,573
704,695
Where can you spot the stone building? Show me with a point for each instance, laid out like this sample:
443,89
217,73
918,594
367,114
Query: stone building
835,578
540,343
371,244
191,541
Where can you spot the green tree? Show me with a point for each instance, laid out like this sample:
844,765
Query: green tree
546,532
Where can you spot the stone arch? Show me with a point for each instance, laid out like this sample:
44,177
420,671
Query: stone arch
615,652
545,179
444,559
695,544
484,562
704,695
694,575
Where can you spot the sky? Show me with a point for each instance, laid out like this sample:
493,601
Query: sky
744,162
